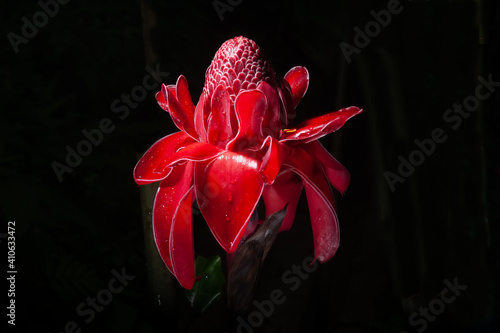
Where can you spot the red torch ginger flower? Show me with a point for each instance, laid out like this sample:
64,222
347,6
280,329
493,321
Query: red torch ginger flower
235,146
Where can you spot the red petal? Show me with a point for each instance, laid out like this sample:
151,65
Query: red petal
320,200
298,78
271,124
325,224
318,127
285,189
200,118
287,109
160,98
219,125
184,98
273,159
227,190
181,111
146,171
197,151
337,174
172,203
250,107
181,241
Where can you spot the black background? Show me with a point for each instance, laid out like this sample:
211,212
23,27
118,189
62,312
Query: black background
396,247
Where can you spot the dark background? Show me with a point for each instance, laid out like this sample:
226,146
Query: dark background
397,247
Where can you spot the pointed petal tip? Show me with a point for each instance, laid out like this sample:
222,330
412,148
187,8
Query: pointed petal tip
354,109
161,100
315,128
181,80
298,78
326,255
226,204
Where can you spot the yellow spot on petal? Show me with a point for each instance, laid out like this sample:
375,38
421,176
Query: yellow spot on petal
286,130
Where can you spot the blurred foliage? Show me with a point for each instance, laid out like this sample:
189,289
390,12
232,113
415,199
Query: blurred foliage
207,288
397,248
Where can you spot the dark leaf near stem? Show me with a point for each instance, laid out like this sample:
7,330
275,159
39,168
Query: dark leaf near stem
247,263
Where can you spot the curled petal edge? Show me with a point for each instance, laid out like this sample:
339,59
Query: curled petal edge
147,168
298,78
197,151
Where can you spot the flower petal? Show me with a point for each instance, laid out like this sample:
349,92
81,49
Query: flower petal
285,189
184,98
180,106
325,224
315,128
287,113
171,213
200,118
197,151
271,124
250,107
181,241
146,171
298,78
273,159
324,219
227,190
160,98
337,174
219,125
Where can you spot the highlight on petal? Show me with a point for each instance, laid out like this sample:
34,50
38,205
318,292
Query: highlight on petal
298,78
320,200
250,107
285,189
315,128
228,189
337,174
147,169
172,228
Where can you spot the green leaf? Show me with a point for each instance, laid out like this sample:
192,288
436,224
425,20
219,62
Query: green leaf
206,290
